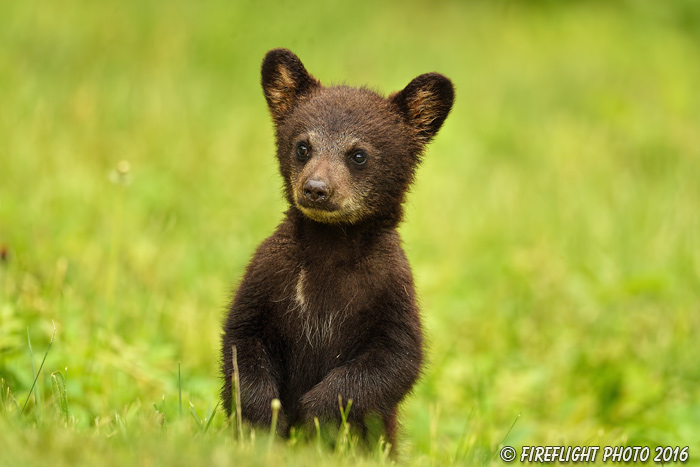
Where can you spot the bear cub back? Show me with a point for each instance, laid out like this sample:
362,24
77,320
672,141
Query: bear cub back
326,310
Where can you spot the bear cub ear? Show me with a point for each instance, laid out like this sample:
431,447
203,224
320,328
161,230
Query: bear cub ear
425,103
284,81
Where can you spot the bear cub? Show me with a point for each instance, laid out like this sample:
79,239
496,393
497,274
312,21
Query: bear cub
327,307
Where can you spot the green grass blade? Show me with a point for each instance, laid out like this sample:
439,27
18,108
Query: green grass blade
319,440
237,385
505,437
343,441
5,395
193,411
36,389
60,395
275,405
211,417
40,367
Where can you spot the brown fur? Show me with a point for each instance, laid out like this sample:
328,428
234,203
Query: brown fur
327,306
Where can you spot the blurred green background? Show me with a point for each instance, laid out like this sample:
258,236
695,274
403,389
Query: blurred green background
554,228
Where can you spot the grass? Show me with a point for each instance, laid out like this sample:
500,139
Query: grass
553,230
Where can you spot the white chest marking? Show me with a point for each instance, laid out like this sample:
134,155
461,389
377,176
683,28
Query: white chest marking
300,298
314,330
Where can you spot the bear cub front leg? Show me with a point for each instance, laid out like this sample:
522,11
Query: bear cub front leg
259,375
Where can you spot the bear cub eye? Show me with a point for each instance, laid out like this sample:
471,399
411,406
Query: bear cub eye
302,152
359,157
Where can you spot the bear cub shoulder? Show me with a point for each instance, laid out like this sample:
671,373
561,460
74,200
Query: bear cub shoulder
327,308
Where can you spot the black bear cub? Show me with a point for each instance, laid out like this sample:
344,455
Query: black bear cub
327,306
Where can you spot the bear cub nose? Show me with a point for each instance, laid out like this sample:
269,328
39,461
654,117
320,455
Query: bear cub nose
316,190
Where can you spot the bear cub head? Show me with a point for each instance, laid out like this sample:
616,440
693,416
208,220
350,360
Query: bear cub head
348,155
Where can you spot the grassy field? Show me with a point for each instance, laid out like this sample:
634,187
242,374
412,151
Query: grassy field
554,229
